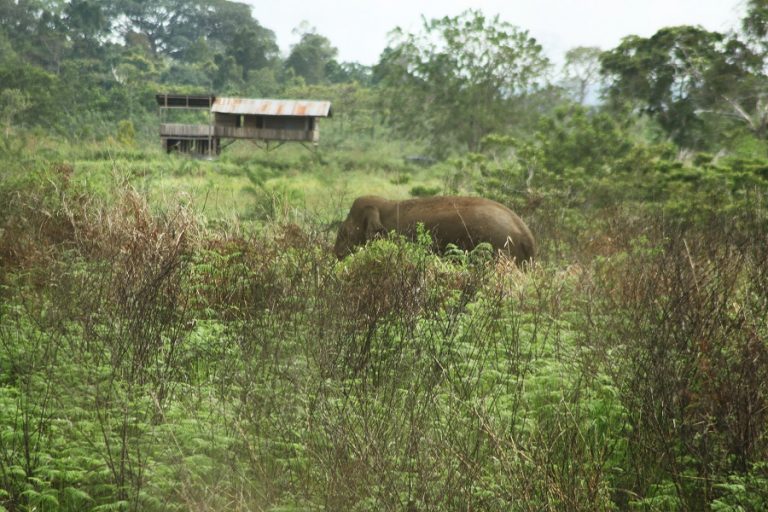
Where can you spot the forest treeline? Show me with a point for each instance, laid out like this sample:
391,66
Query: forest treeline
80,67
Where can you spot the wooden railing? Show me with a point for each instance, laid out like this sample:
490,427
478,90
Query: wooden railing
185,130
230,132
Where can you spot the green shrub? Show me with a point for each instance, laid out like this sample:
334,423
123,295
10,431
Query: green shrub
424,191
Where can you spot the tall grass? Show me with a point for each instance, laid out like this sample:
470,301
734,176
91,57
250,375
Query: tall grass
152,361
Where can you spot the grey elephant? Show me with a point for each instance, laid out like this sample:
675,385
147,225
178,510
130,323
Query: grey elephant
463,221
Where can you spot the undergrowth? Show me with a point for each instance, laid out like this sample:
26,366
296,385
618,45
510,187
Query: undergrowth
151,361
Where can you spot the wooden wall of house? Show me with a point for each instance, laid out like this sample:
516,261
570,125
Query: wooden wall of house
279,122
287,123
253,121
231,120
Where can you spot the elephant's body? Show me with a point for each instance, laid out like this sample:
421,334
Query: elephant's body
463,221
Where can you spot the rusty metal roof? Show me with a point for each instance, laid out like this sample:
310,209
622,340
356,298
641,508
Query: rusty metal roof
267,107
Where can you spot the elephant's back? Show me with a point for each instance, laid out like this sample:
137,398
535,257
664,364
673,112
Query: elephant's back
468,221
451,207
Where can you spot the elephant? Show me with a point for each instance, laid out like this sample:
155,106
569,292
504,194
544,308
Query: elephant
463,221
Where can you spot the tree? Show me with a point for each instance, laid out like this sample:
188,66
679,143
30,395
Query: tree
670,77
581,71
151,21
88,26
253,48
741,96
688,80
752,107
231,30
459,79
346,72
12,102
32,83
311,56
216,34
19,22
51,45
228,75
755,23
573,137
223,19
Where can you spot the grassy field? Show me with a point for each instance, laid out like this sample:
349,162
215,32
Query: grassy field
233,185
175,334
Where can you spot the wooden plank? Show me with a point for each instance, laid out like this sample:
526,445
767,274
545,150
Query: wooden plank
230,132
184,130
266,134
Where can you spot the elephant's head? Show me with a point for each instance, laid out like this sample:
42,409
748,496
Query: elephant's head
362,224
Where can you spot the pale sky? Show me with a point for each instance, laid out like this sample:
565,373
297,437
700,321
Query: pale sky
359,28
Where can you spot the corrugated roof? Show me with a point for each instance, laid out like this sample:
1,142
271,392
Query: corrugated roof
266,107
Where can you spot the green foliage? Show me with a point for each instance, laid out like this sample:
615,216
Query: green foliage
459,79
582,71
748,492
681,75
481,254
575,138
126,133
312,58
12,102
424,191
755,22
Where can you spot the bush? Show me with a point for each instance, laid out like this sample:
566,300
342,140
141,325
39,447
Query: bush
680,321
424,191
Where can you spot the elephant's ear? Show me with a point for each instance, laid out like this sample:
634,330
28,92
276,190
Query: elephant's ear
373,225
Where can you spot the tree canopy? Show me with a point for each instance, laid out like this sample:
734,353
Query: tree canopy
685,78
459,78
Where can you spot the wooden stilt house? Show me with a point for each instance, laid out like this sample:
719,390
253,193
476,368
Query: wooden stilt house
262,121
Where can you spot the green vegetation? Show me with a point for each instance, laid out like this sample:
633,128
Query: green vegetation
175,333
